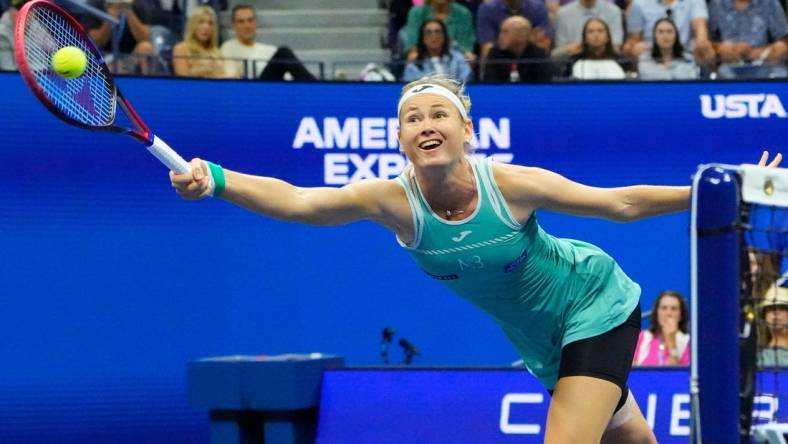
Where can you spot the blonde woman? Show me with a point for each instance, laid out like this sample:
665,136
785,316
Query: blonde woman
198,54
566,306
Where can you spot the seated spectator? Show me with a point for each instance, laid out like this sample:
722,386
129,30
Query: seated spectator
248,58
774,315
666,341
597,60
690,17
198,54
667,60
135,46
436,56
7,20
491,15
458,21
571,18
749,31
515,58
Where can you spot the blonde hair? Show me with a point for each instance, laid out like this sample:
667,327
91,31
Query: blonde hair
455,86
194,46
201,60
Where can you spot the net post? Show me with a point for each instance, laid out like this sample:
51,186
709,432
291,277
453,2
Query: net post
715,250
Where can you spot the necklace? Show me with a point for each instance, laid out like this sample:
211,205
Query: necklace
455,212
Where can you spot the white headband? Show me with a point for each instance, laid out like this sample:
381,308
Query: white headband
431,88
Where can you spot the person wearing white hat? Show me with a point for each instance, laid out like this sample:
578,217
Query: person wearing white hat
774,314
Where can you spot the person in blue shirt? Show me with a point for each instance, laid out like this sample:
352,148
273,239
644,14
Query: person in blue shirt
749,30
436,55
565,305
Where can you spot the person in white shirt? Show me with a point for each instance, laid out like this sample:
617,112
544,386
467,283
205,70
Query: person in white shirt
598,59
245,57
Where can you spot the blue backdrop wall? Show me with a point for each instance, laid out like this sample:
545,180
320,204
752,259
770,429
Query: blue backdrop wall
110,283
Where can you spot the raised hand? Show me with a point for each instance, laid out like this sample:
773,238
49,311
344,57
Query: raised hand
765,158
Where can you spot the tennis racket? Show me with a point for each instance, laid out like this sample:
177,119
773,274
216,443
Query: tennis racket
89,101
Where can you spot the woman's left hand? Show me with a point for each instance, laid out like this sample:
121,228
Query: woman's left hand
765,158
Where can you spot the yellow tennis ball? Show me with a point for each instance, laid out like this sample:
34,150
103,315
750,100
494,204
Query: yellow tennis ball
69,62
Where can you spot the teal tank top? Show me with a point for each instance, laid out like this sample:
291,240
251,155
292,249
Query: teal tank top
543,291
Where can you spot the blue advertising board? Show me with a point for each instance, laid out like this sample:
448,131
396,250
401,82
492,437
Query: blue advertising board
111,282
484,405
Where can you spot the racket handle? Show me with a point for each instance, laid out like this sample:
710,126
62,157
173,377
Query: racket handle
168,156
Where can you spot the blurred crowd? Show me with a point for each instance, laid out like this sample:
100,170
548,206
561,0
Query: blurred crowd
546,40
473,40
666,339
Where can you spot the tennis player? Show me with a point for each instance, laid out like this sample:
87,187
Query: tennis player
565,305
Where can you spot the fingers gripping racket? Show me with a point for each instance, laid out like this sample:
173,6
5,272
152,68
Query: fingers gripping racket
88,101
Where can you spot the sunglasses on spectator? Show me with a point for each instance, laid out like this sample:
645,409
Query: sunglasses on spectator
433,31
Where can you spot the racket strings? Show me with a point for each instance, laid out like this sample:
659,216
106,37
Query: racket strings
89,98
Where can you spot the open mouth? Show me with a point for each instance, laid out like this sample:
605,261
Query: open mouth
431,144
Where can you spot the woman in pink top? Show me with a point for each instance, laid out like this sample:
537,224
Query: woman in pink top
666,341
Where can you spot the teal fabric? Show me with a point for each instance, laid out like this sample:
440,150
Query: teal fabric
459,25
543,291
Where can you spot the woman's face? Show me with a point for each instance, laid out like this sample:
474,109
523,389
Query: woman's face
433,37
432,132
596,35
204,30
665,35
777,319
669,313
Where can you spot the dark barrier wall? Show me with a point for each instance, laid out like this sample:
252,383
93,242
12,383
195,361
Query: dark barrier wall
110,283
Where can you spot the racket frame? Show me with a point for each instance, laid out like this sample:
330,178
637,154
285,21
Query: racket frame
140,132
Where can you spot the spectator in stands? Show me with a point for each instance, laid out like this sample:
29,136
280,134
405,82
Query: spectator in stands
135,46
597,60
571,18
491,15
198,54
774,314
690,17
436,56
667,60
248,58
749,30
515,58
458,21
666,341
7,20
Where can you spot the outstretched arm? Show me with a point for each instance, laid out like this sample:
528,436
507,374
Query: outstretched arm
280,200
536,188
532,188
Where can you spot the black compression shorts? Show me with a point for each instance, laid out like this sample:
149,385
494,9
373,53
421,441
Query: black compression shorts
606,356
